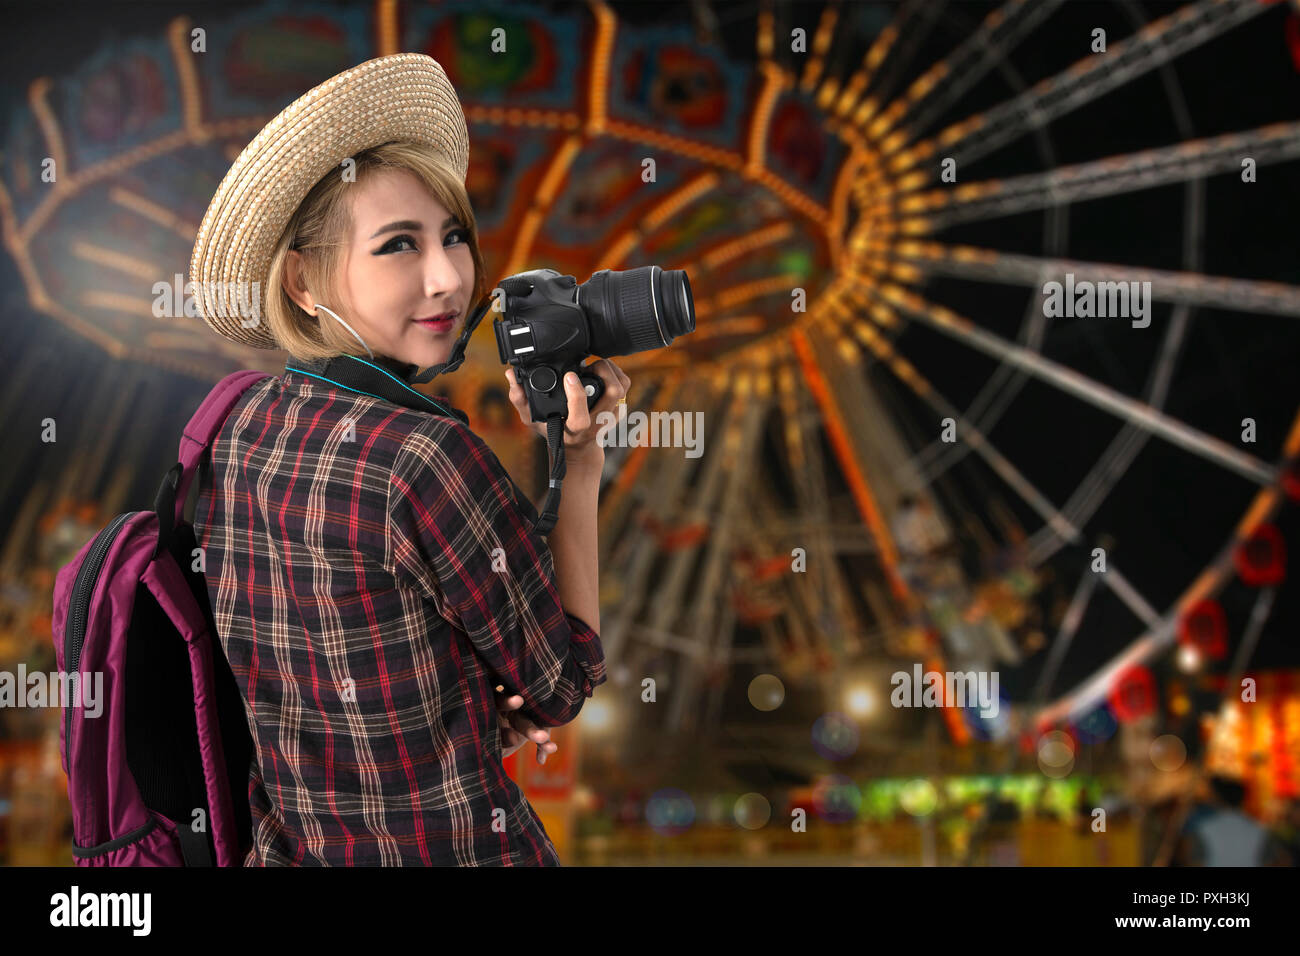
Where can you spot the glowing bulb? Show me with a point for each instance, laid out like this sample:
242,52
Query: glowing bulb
861,701
596,715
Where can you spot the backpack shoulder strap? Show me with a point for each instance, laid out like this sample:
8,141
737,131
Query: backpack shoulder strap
199,434
206,422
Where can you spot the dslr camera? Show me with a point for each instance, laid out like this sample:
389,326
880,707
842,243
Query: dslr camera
549,324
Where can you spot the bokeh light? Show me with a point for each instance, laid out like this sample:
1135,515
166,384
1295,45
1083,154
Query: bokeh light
834,736
861,701
1097,725
919,797
766,692
670,811
836,798
597,716
752,811
1189,658
1168,752
1055,754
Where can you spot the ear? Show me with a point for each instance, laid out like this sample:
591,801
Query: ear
293,284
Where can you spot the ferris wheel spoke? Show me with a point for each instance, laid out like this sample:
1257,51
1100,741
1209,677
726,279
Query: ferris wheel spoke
1254,627
1002,387
1092,691
717,552
883,48
1108,468
1190,288
1125,591
913,23
1131,440
616,498
936,90
721,254
1075,383
1087,79
808,476
1126,446
734,296
1070,622
974,438
1114,175
993,398
1117,457
661,502
997,393
822,38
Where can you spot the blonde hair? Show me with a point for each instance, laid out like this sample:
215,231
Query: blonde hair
319,230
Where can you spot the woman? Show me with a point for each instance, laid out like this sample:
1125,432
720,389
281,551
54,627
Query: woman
374,573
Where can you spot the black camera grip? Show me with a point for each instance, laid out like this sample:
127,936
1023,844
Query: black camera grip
544,387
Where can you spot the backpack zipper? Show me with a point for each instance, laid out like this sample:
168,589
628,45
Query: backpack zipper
83,589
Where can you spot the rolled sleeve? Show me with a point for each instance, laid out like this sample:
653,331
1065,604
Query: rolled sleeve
462,531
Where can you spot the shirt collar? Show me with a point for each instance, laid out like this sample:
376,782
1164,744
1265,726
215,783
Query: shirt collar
383,377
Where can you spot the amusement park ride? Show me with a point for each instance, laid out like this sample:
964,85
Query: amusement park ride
805,195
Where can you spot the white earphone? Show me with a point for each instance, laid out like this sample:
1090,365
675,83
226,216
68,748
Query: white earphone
350,329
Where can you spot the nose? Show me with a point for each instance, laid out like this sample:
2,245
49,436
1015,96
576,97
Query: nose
441,279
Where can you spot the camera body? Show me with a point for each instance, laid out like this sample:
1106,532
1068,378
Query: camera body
550,323
544,336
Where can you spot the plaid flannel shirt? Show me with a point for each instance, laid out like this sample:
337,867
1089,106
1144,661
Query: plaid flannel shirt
374,573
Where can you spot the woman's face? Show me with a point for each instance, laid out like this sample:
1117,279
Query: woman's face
404,261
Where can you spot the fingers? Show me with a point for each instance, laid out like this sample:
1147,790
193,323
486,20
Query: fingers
511,744
618,373
527,730
505,704
507,701
616,382
518,399
579,419
539,735
517,730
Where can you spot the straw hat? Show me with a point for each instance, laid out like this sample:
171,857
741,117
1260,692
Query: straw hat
405,97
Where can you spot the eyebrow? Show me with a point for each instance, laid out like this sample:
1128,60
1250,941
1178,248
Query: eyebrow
410,224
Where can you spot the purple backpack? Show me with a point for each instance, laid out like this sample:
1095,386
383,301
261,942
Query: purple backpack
158,776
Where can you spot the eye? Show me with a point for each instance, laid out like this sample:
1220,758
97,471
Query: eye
391,244
463,233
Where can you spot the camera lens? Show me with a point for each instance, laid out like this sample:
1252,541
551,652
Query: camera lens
636,310
679,306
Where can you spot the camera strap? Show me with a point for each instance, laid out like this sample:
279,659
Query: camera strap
554,424
457,351
555,446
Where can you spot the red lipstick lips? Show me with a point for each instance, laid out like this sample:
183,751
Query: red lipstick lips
442,323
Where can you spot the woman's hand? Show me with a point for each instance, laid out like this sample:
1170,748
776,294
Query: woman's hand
581,430
517,730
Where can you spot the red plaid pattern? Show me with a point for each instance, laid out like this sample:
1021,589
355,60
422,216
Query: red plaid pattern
374,574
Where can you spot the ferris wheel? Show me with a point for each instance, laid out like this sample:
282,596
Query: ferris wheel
899,231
